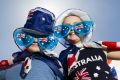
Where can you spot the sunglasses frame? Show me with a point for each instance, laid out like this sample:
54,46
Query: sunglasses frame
69,27
20,37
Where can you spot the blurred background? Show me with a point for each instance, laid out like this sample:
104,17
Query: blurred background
13,14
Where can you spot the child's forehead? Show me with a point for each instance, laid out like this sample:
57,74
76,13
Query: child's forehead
72,19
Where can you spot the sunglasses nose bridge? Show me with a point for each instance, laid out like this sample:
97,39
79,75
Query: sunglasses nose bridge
72,29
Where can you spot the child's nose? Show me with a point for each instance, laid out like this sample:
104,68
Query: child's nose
35,40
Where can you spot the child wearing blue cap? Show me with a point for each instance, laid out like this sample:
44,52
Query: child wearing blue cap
36,41
83,60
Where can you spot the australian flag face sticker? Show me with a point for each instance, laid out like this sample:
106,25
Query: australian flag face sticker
81,28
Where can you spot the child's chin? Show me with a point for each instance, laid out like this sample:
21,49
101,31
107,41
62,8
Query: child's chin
33,49
73,41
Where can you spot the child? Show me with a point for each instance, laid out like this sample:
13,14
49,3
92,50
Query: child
36,40
83,60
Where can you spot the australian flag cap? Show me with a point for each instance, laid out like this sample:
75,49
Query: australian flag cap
39,22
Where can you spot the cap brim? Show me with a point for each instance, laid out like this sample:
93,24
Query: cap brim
33,32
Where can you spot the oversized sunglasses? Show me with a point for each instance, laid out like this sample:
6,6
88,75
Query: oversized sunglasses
80,28
23,40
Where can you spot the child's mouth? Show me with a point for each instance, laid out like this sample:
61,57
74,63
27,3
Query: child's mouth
35,44
71,33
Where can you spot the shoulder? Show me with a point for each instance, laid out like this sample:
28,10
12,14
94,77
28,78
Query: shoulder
63,54
20,56
40,70
16,54
13,73
92,44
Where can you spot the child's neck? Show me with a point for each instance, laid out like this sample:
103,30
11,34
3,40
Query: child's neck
79,44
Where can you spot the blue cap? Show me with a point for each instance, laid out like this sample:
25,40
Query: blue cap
39,22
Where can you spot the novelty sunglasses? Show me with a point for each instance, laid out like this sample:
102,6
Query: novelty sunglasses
80,28
23,39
